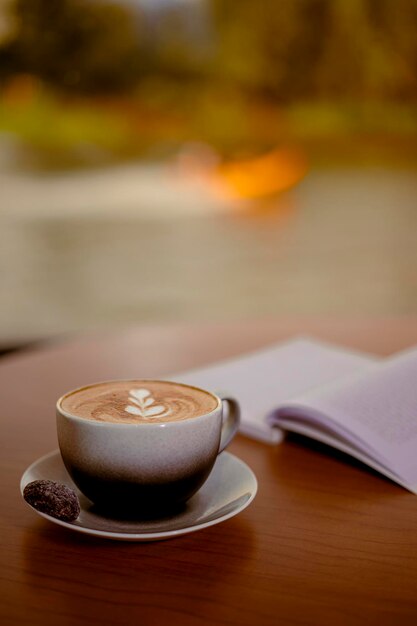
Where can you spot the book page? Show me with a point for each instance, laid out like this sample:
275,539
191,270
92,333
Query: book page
376,411
263,380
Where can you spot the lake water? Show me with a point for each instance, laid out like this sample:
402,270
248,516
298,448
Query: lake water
342,242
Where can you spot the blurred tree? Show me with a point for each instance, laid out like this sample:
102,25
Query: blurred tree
369,49
282,50
76,44
270,47
330,48
395,56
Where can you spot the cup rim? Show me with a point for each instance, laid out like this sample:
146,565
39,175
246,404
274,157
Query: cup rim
65,413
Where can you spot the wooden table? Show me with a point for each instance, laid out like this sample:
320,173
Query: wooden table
326,541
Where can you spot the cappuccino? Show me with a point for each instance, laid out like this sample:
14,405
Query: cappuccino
162,453
138,402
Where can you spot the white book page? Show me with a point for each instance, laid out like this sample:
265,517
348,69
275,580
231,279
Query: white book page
376,411
263,380
314,433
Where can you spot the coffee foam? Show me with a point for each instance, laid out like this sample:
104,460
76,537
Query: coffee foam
138,401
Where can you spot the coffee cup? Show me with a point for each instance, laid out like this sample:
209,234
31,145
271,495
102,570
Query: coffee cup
142,444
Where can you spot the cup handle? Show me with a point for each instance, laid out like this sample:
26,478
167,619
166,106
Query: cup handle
230,424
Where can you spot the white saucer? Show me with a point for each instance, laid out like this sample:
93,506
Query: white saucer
230,488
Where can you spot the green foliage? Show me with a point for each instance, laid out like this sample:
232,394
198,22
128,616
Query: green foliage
47,123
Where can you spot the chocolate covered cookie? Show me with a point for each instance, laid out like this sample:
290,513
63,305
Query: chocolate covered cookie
52,498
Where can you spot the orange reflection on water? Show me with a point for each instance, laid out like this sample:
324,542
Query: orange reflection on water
262,176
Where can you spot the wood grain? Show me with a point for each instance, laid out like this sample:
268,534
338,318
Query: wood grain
326,541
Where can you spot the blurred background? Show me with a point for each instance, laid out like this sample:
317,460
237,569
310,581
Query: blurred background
191,160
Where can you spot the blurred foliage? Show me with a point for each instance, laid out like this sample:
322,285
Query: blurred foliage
43,122
295,49
284,50
323,119
242,76
75,44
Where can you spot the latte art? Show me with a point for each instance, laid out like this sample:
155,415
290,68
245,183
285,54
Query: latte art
144,405
132,402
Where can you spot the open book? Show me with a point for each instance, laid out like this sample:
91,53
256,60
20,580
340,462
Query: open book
362,405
